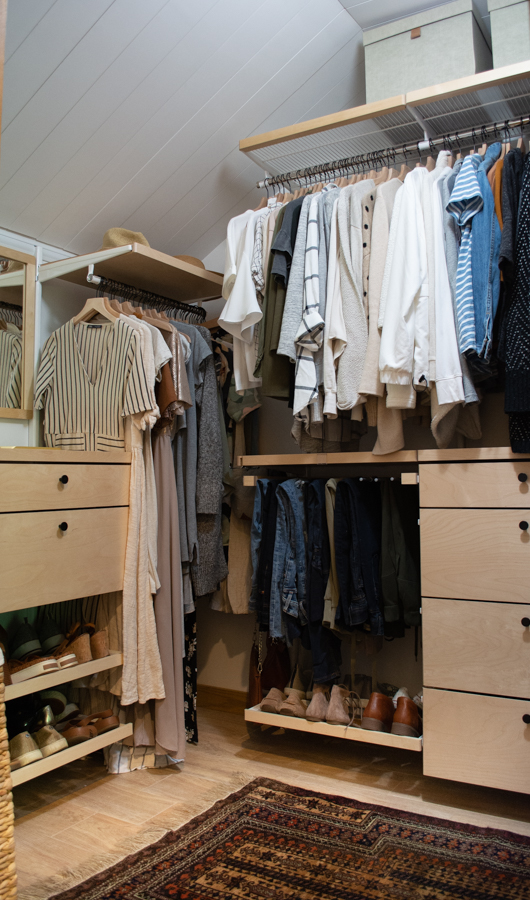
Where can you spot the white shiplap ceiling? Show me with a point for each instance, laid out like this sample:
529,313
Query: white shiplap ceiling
127,112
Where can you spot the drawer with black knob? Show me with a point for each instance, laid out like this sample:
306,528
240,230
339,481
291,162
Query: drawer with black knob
470,645
47,557
34,486
476,554
475,484
477,739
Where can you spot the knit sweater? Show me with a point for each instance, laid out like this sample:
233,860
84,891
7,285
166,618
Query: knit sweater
351,362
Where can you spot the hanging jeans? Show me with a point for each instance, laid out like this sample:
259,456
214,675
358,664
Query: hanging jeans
262,540
288,587
324,645
358,552
485,264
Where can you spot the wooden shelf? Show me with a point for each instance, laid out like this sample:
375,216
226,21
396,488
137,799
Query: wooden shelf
492,96
63,676
470,454
33,770
141,267
328,459
57,455
348,733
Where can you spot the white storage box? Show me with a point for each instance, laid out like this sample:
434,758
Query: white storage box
425,49
510,31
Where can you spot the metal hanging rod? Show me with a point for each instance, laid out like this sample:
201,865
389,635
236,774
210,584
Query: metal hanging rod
447,141
178,309
5,305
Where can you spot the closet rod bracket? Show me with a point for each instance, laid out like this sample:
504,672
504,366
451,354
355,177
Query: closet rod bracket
90,277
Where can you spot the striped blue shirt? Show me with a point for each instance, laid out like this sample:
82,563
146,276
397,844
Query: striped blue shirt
465,202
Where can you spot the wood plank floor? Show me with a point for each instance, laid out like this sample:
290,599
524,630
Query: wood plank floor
73,816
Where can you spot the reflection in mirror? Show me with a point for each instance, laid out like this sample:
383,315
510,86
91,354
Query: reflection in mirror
12,283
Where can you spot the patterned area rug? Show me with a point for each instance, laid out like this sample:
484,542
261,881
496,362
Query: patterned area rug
270,841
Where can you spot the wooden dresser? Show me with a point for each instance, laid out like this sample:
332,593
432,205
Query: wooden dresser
475,572
63,524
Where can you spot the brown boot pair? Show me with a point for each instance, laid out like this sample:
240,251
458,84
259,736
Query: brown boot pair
380,715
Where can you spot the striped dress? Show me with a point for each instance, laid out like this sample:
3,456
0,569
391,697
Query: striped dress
10,374
90,377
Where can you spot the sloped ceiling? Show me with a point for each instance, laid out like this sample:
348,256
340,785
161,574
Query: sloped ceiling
129,113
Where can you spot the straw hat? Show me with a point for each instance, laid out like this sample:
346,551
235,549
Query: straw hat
120,237
192,261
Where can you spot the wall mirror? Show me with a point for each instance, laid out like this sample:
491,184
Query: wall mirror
17,333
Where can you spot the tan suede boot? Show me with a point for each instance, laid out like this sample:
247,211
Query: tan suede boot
271,703
292,705
339,706
317,709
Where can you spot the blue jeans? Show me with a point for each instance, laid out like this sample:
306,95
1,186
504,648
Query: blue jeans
358,553
485,264
318,553
256,535
288,587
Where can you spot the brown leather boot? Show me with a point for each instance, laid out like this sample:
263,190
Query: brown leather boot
379,713
406,718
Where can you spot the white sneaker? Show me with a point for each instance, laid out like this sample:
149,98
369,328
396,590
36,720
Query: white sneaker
403,692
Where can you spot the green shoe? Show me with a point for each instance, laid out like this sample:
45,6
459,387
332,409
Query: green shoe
50,634
25,641
55,700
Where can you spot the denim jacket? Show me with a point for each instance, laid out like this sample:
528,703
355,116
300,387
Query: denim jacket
485,261
288,589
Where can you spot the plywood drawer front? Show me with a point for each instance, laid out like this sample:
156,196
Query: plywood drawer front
475,484
472,646
475,554
38,486
41,564
479,740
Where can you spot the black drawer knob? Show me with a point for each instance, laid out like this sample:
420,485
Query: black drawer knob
64,479
64,526
522,476
525,622
523,525
526,719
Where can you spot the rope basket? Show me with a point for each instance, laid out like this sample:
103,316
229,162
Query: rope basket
8,875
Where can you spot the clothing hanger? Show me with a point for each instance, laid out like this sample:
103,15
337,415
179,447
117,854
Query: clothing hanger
430,164
521,145
93,307
262,204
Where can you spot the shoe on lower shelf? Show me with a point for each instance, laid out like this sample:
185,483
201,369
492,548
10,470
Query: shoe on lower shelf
77,734
379,713
55,699
23,671
292,705
406,721
318,707
49,741
23,750
271,703
71,711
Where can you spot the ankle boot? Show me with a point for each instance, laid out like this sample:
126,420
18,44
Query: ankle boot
317,709
406,718
339,706
292,705
379,713
271,703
